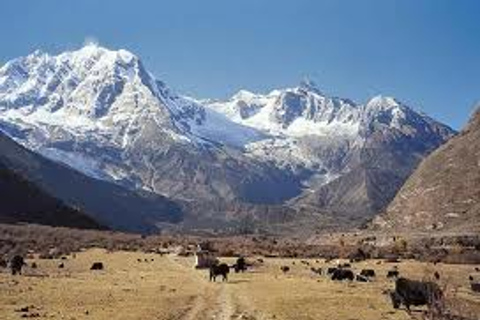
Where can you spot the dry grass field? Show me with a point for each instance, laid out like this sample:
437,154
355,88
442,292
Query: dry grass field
168,287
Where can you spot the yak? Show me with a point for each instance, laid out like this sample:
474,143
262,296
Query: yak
343,274
416,293
316,270
240,265
475,286
285,269
367,272
331,270
97,266
221,269
392,273
16,264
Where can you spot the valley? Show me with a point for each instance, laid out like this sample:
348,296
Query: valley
136,285
319,159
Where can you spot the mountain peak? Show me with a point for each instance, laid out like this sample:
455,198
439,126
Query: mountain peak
381,100
85,82
95,51
309,85
244,95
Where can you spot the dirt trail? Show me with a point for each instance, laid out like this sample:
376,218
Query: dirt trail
217,300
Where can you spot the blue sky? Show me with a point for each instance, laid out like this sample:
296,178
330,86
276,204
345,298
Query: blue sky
424,52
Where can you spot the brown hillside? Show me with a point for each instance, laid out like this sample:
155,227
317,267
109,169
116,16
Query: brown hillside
444,192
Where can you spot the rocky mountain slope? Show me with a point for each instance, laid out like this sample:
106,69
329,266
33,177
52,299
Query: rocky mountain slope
444,192
101,112
22,201
351,158
33,184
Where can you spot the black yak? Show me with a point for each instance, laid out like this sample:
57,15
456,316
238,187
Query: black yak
392,274
240,265
316,270
367,272
416,293
343,274
285,269
221,269
97,266
331,270
16,264
475,286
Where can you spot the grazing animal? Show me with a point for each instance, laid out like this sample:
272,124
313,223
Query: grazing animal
475,286
285,269
416,293
331,270
221,269
139,260
367,273
436,275
477,269
240,265
97,266
343,274
316,270
34,265
61,266
361,278
16,264
260,260
392,274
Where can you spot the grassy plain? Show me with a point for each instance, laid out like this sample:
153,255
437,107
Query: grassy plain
137,285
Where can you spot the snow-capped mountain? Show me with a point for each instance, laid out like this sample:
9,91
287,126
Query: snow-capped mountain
298,121
101,112
299,111
351,158
305,111
101,97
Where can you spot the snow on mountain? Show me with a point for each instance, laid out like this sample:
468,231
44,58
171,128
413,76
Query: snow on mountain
101,112
104,97
305,110
294,112
91,88
307,129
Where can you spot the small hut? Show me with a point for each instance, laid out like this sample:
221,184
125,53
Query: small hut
204,257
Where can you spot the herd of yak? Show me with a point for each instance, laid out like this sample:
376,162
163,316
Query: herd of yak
17,263
407,292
